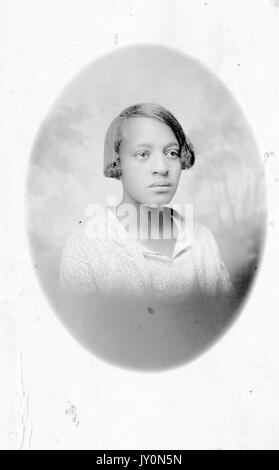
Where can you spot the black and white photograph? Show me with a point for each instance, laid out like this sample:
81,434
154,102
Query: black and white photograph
147,235
140,225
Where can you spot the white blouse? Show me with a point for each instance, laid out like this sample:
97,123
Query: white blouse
122,268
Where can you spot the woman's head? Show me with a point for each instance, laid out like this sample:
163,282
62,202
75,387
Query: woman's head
145,146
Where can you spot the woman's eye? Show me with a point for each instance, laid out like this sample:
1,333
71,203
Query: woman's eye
172,154
142,155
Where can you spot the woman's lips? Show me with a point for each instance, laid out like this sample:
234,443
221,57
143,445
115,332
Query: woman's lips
161,188
160,184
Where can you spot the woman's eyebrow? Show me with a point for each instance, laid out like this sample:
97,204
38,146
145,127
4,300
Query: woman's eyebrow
144,145
172,144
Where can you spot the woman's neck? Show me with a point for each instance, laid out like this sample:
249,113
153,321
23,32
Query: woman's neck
150,221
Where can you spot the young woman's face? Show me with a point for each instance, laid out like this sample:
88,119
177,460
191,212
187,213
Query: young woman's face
150,163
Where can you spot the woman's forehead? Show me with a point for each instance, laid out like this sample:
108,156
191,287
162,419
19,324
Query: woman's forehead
145,130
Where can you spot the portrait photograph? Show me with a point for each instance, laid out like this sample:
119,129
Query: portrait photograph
146,207
139,189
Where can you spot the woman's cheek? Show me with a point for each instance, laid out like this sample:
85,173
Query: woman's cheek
178,172
135,178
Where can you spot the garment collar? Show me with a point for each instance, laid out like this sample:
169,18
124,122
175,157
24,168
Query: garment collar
183,242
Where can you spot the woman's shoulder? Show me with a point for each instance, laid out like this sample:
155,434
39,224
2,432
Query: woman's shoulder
195,232
206,251
82,257
203,236
92,239
87,234
76,242
209,261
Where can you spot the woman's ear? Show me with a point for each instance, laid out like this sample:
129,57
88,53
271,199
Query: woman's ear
190,153
187,155
111,156
113,169
117,172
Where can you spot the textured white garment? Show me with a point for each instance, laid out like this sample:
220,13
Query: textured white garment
124,268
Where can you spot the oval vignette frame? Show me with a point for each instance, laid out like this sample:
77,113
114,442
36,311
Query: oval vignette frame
65,175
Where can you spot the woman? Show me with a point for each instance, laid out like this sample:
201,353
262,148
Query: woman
146,149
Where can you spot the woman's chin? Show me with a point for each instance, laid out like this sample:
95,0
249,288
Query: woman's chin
160,200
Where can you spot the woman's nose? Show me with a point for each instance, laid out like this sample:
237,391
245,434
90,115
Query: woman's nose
159,165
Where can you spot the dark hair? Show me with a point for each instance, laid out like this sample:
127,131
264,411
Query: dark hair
112,168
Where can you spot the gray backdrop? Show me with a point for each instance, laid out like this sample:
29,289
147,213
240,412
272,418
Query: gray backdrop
226,184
